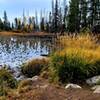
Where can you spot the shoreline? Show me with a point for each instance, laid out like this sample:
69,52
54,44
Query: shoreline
34,34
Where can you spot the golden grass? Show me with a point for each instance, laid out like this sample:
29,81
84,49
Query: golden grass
83,46
80,41
78,58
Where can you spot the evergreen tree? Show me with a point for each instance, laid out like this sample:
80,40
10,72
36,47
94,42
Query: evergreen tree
36,22
56,17
42,22
24,21
60,20
94,12
5,17
16,23
12,26
73,16
65,14
19,24
33,22
1,25
83,13
6,22
30,24
50,22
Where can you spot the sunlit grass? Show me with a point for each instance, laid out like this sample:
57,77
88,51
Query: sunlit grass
78,58
80,41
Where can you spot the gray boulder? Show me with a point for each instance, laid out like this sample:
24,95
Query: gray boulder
73,86
93,80
96,89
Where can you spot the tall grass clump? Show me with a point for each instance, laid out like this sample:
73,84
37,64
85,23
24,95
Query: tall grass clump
7,81
77,60
34,67
79,41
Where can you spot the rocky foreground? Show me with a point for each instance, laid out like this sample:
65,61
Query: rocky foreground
37,88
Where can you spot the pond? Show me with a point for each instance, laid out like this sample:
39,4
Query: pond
16,50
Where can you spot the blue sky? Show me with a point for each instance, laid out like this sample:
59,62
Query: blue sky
14,8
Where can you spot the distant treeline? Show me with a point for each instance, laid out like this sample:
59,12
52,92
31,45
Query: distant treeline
78,16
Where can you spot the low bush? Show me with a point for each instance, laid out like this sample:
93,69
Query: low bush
24,89
7,78
25,83
3,91
6,81
74,65
34,67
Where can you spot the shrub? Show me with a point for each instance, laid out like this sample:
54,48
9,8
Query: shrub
74,65
24,89
7,81
3,91
25,83
7,78
34,67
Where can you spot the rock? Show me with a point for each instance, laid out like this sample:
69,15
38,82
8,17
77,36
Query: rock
35,78
93,80
44,86
74,86
21,78
96,89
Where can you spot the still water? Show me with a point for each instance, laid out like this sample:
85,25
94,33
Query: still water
17,50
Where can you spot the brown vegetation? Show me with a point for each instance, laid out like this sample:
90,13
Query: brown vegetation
42,90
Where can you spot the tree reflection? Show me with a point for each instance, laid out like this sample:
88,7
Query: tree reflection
19,49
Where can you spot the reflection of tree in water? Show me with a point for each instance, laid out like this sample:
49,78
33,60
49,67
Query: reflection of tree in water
15,50
22,43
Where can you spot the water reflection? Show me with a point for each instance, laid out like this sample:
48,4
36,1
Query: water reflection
16,50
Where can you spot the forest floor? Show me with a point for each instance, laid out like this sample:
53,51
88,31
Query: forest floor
41,89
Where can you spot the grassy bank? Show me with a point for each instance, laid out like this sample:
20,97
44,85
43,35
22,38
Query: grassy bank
19,33
77,59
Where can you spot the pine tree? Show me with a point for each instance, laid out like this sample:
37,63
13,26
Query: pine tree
42,24
1,25
6,22
24,21
65,13
94,10
36,22
30,24
56,17
73,16
83,13
60,21
42,21
12,26
50,22
33,23
16,23
19,24
5,17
